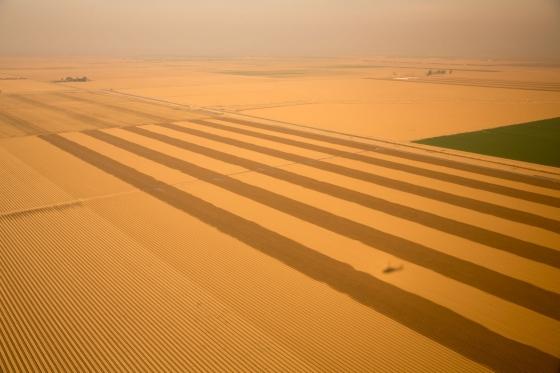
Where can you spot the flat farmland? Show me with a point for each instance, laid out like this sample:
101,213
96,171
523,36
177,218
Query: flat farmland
387,98
152,219
37,113
535,142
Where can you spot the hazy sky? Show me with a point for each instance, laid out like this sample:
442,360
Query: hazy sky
469,28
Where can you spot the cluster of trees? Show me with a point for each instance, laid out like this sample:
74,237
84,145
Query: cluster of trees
74,79
436,72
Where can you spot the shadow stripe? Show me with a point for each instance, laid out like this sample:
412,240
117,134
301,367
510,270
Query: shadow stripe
460,180
486,237
508,175
509,288
425,317
465,202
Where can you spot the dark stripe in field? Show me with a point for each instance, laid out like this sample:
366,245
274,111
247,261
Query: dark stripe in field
529,86
476,234
425,317
23,125
509,288
87,119
465,202
117,108
438,175
504,174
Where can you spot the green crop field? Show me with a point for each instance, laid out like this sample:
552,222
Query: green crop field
535,142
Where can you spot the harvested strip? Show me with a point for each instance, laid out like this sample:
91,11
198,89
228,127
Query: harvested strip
541,83
21,124
438,323
492,180
498,315
541,207
297,311
486,237
456,179
70,113
504,174
485,84
511,289
118,108
496,83
469,203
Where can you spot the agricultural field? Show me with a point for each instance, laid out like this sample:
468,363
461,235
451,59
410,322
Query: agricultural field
534,142
376,97
257,215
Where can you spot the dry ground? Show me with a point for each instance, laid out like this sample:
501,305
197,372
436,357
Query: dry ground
144,228
360,96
